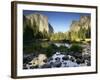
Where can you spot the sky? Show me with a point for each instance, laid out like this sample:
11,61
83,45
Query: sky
60,21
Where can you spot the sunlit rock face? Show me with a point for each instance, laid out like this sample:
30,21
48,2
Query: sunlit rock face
40,21
84,22
75,26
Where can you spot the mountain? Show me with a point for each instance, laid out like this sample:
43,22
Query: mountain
51,30
75,26
84,22
81,29
38,21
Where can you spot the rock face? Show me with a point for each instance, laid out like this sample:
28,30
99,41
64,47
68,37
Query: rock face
84,22
75,26
40,21
51,30
81,29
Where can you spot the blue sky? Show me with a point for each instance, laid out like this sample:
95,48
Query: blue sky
60,21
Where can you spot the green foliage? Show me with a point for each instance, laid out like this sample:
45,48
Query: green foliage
63,49
88,33
73,35
41,47
58,36
36,47
27,49
82,33
51,49
76,51
69,35
28,34
76,48
31,31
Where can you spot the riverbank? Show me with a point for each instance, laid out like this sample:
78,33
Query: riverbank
80,55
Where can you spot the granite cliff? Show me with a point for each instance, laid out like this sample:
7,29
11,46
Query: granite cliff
38,20
84,22
81,29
